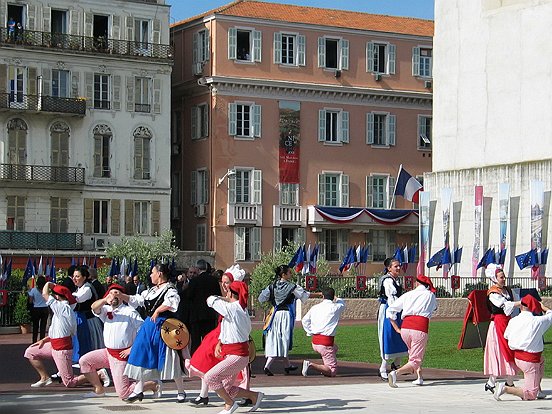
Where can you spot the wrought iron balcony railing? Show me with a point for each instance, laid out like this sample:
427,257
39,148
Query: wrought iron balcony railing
74,43
54,104
41,173
142,108
40,241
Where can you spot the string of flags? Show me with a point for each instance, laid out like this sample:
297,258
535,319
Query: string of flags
305,260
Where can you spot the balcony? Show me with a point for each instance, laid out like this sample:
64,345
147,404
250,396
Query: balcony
251,214
41,173
142,108
44,104
83,44
288,216
40,241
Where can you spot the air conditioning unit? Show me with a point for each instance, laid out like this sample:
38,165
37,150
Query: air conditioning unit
428,84
200,210
197,69
377,76
100,243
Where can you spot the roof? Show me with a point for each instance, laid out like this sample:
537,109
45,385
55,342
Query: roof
322,17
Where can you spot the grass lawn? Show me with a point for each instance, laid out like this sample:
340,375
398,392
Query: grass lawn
360,343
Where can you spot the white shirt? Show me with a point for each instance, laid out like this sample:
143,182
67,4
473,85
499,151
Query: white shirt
322,318
171,299
64,320
390,289
525,331
83,293
120,331
420,302
236,325
503,301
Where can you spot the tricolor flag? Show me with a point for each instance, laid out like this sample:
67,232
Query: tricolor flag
348,260
488,258
313,259
407,186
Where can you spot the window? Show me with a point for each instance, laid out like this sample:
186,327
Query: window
142,144
200,187
141,34
422,62
247,244
101,91
59,216
283,236
100,216
379,191
59,136
333,53
289,194
244,120
382,244
380,129
142,95
244,187
380,58
333,190
289,49
17,86
15,215
244,45
17,142
61,83
200,52
333,244
141,217
333,126
200,121
102,139
201,237
425,132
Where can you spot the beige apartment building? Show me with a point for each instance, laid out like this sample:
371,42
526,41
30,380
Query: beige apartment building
290,124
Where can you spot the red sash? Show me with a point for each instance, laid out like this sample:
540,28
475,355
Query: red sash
62,344
416,322
116,353
528,356
239,349
325,340
501,321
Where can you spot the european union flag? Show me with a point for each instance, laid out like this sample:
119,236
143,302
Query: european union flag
488,258
440,258
458,255
528,259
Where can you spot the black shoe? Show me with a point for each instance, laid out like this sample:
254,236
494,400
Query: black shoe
56,377
394,367
245,403
489,388
135,397
268,372
291,368
200,400
181,397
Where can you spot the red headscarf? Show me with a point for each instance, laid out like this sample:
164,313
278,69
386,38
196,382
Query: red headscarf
533,304
65,292
427,281
241,289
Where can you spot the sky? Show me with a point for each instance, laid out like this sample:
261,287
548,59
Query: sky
182,9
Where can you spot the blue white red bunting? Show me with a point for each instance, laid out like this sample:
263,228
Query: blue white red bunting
348,214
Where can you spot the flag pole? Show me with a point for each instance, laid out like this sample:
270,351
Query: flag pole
395,187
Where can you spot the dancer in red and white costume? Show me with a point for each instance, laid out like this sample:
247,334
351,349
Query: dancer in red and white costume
417,308
234,350
525,337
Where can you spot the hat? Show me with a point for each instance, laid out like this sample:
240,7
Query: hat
533,304
241,289
492,270
114,286
426,281
235,272
175,334
65,292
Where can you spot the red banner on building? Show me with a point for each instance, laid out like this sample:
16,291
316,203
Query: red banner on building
311,282
289,141
361,283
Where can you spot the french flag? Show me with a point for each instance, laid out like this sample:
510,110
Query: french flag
407,186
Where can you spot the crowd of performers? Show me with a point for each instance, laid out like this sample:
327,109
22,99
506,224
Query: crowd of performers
103,331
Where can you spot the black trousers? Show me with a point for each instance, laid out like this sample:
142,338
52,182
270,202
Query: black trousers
39,317
198,330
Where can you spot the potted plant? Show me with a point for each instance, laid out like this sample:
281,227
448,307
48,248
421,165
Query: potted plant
22,316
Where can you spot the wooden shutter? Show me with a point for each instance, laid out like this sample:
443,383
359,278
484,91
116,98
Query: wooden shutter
257,187
344,190
3,10
277,47
277,242
75,81
255,243
88,215
321,189
422,131
116,92
344,126
205,120
195,47
232,189
138,153
31,81
257,45
232,44
256,120
391,189
31,17
129,217
47,82
301,235
369,192
193,188
232,119
321,52
321,125
195,129
97,156
205,187
115,217
392,58
88,24
129,28
3,78
157,96
207,48
116,27
155,218
74,16
342,243
156,32
415,61
46,19
239,244
369,57
370,128
130,97
344,54
89,88
301,50
391,127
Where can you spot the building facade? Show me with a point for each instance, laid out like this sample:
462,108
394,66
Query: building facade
492,121
289,128
84,115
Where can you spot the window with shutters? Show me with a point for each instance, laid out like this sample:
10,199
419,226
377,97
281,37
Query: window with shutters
425,132
379,191
101,91
380,129
201,46
61,83
333,189
17,144
284,236
244,120
15,214
380,58
200,121
244,45
141,35
422,61
100,216
333,53
102,142
201,237
245,186
17,87
289,49
247,244
200,187
289,194
59,215
142,93
142,156
141,217
59,140
379,240
333,244
333,126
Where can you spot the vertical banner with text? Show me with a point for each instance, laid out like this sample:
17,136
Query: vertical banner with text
446,201
424,232
290,123
503,206
477,222
537,214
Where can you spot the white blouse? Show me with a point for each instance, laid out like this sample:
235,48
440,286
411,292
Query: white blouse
171,299
236,325
119,331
